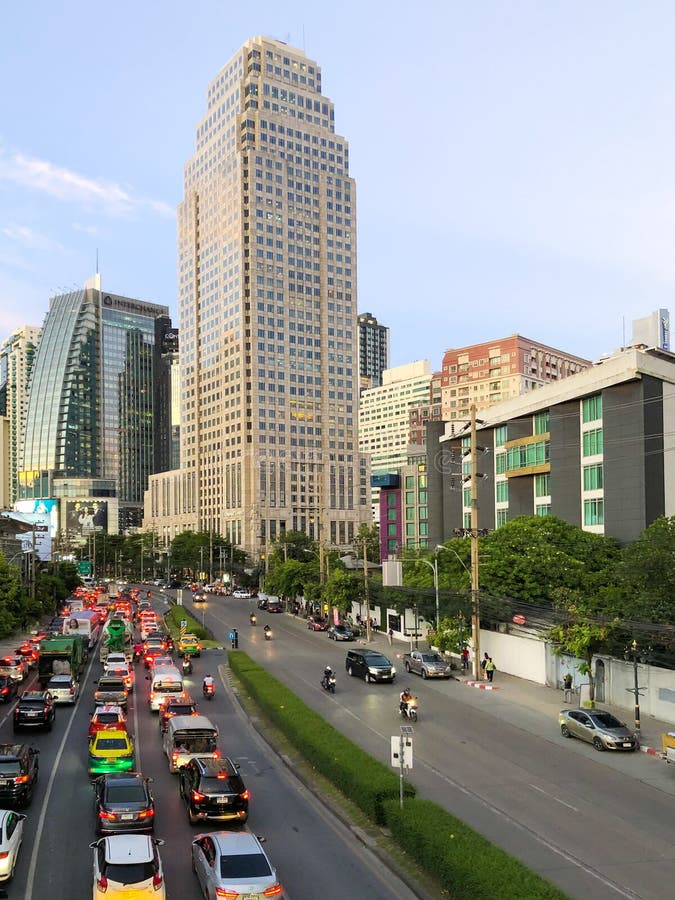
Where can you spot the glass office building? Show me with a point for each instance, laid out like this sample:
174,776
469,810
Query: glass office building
95,392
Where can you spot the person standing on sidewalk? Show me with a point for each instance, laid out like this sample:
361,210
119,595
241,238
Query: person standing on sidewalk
567,688
483,663
490,668
465,659
390,636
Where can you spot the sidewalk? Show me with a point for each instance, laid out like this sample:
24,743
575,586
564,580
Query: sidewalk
540,699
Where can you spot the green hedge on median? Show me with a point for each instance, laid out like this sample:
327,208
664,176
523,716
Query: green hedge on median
465,863
365,780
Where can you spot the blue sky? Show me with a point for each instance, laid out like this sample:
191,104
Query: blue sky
515,161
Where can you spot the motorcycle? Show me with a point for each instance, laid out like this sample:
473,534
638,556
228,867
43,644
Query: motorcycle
409,710
209,690
328,683
187,666
268,634
252,619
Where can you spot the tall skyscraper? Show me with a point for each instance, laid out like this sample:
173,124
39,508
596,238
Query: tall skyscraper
373,350
267,307
92,421
16,361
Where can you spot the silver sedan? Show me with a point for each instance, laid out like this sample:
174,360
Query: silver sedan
597,727
233,863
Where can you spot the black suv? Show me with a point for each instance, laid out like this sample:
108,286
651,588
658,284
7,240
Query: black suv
18,774
35,709
213,789
370,664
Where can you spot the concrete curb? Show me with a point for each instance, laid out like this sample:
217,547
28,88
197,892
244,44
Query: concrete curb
652,751
482,685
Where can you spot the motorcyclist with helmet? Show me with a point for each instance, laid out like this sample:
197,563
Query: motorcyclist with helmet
327,672
404,697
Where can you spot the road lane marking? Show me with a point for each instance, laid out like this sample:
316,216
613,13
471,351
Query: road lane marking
50,784
557,799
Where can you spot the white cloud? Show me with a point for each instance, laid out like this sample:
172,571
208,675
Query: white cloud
85,229
28,237
63,184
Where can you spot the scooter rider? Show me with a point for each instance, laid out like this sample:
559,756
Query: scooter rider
252,618
405,696
187,664
208,684
327,672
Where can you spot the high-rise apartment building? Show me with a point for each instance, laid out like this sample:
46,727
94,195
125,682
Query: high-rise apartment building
95,409
384,420
488,373
373,350
16,361
267,308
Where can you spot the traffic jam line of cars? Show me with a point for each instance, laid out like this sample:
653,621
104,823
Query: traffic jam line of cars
126,853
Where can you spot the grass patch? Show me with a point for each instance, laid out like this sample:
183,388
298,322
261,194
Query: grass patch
177,614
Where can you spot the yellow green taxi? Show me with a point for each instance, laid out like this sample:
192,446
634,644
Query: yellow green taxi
189,644
111,751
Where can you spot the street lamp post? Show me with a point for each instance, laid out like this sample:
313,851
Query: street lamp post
635,690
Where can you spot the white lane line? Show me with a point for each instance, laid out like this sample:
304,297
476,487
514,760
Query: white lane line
45,803
557,799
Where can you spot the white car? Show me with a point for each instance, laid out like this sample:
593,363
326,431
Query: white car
241,594
234,864
11,835
120,670
64,688
126,865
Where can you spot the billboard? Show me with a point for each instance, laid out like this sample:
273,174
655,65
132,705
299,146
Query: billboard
86,517
32,530
46,510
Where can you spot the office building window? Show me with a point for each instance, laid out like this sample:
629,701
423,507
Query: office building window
594,512
593,478
592,442
502,488
501,434
542,509
542,485
502,517
542,423
592,408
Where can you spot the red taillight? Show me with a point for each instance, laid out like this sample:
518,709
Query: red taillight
215,754
146,814
222,776
21,779
197,797
223,892
46,711
4,854
106,815
72,689
246,795
102,884
156,881
273,891
5,690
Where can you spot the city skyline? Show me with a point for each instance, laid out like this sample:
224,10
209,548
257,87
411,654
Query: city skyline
517,182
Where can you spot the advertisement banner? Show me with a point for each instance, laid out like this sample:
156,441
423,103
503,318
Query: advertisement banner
32,529
85,517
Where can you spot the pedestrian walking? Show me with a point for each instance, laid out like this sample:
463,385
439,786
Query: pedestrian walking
483,663
490,668
235,639
465,659
390,636
568,688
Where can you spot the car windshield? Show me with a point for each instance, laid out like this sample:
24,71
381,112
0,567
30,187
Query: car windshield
431,657
33,703
111,684
376,659
221,785
58,683
111,744
126,793
244,865
129,873
175,710
607,720
107,718
10,767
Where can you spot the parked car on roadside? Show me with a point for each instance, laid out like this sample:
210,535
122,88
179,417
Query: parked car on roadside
316,623
340,633
427,664
597,727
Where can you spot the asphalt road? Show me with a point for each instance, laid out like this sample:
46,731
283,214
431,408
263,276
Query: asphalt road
596,825
314,854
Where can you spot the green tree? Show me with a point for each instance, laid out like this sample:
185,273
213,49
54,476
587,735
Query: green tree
370,534
529,557
288,579
342,589
582,631
645,575
11,597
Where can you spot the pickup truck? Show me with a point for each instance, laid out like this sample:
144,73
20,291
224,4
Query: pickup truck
427,664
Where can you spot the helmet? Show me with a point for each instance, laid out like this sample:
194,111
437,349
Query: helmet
406,690
328,669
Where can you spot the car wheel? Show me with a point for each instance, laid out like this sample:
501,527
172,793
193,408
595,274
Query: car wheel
597,743
424,674
407,668
192,818
350,672
368,678
564,730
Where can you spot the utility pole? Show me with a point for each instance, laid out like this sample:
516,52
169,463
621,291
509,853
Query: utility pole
366,591
475,599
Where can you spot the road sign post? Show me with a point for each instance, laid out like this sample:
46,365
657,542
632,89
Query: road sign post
402,754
